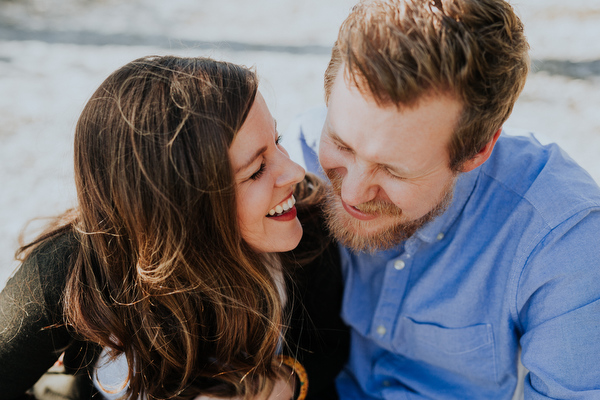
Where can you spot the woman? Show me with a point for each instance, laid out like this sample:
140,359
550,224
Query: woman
170,260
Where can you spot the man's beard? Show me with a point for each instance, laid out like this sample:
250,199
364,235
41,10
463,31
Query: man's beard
352,232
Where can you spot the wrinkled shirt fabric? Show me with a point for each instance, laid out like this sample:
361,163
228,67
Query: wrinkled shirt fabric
512,265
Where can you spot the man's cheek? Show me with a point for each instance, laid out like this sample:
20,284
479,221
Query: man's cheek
330,157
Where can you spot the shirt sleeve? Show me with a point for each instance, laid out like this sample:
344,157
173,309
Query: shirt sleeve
31,331
558,305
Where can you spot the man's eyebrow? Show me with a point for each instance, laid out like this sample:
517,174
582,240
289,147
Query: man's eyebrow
251,160
395,170
336,138
339,140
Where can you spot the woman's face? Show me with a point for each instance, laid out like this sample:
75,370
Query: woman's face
265,178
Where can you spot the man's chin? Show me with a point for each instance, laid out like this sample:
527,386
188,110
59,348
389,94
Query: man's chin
368,240
380,233
384,232
368,229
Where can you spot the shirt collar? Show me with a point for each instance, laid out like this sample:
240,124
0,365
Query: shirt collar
465,184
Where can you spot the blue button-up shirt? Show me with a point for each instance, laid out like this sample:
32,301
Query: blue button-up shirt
514,263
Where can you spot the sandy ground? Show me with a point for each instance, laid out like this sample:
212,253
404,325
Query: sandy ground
53,54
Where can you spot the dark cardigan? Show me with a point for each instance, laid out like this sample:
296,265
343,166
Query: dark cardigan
33,334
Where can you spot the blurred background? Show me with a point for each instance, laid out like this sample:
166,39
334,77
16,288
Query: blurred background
54,53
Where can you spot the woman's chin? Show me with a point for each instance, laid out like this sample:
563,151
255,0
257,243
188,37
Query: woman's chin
289,240
278,240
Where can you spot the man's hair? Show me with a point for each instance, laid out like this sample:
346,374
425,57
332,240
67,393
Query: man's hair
399,51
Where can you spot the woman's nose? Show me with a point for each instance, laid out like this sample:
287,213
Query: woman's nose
289,172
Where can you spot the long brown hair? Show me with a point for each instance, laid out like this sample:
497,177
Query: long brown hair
162,273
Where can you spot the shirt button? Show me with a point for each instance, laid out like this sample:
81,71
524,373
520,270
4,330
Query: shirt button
381,330
440,236
386,383
399,265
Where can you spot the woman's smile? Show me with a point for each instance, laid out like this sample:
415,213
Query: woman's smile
265,180
283,207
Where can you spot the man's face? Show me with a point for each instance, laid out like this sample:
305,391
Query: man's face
389,167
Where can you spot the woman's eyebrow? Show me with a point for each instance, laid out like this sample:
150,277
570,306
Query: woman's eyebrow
251,160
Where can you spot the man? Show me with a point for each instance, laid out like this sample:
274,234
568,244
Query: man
463,248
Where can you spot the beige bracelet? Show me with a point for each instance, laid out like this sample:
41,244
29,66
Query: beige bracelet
300,372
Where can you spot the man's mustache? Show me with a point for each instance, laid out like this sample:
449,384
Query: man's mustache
378,207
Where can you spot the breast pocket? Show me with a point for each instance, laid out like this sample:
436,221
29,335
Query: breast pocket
466,351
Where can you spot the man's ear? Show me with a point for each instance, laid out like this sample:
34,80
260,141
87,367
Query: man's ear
482,155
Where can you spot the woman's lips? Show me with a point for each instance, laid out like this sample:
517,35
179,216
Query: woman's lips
283,207
286,216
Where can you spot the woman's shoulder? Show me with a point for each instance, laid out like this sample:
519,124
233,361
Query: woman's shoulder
48,264
53,256
34,293
33,331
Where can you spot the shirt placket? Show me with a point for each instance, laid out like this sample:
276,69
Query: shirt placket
397,272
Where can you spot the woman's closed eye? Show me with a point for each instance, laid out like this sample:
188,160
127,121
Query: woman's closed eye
262,167
259,172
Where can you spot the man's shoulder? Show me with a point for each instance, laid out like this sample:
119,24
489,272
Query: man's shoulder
542,175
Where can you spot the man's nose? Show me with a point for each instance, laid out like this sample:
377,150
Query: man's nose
358,186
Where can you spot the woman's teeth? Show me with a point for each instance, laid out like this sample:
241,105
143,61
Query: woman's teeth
283,207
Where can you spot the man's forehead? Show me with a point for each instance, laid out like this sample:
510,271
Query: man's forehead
408,138
371,147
